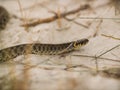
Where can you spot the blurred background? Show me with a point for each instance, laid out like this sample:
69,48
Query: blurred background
95,66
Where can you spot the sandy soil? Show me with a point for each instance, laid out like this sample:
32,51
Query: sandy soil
52,72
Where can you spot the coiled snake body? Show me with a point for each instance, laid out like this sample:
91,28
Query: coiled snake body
37,48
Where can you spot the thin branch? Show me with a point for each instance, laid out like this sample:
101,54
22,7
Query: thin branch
53,18
40,4
21,10
108,50
59,17
108,59
96,63
97,28
73,20
115,55
75,66
99,56
110,36
106,18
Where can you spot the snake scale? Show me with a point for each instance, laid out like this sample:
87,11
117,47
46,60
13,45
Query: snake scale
40,49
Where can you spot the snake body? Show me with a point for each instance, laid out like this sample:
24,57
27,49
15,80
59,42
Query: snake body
4,17
37,48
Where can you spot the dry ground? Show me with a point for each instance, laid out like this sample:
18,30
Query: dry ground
77,70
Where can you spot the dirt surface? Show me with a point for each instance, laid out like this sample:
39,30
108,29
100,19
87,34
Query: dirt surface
79,70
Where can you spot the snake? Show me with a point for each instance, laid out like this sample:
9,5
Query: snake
4,17
12,52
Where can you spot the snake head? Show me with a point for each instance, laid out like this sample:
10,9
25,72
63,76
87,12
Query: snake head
79,43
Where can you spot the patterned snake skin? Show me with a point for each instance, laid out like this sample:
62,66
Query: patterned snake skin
47,49
4,17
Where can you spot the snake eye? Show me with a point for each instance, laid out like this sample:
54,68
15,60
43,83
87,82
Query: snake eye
76,45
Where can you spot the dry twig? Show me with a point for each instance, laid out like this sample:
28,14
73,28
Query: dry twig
74,66
107,59
53,18
110,36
